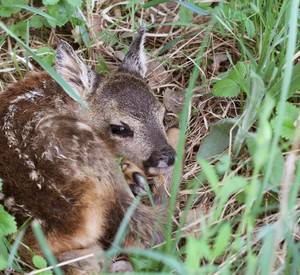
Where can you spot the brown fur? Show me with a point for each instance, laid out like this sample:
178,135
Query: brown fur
57,159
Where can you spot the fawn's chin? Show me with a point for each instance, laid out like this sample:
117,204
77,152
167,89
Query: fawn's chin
158,170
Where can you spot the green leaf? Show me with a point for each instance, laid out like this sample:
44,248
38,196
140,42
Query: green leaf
250,28
50,2
222,240
218,138
226,88
39,261
19,29
3,262
8,11
291,111
102,67
195,250
290,116
288,127
75,3
36,22
238,73
8,224
61,12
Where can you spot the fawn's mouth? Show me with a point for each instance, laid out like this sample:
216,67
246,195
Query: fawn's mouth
158,170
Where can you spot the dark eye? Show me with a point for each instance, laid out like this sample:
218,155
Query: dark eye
121,130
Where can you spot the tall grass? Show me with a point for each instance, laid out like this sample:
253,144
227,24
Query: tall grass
256,234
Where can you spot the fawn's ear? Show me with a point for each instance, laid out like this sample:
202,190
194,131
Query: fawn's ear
135,59
73,70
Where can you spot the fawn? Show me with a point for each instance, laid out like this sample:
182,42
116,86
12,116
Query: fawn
58,158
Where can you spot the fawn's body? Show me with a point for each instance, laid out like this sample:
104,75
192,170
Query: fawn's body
57,159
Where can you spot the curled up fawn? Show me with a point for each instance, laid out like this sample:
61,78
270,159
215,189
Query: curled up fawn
57,158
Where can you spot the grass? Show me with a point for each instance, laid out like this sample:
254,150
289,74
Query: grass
238,208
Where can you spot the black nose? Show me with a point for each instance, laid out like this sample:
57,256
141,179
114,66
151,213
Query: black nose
161,159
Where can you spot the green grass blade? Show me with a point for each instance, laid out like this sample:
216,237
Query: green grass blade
43,244
193,8
14,248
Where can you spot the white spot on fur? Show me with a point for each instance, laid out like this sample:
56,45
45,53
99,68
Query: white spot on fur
9,202
53,186
34,175
10,129
1,196
83,126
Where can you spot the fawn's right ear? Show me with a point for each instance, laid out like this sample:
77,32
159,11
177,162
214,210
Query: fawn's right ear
73,70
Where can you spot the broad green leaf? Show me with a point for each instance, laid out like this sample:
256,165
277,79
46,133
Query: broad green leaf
222,240
19,29
3,262
250,28
238,73
8,224
36,22
75,3
291,111
193,8
39,261
195,250
226,88
102,66
61,12
288,127
8,11
218,138
50,2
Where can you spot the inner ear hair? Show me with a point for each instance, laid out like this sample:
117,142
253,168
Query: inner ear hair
73,70
135,59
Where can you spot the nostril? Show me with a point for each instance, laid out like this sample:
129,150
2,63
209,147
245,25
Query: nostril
168,156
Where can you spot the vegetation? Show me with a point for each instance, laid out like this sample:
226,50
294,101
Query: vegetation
229,76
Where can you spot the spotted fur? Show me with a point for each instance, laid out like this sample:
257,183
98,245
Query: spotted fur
57,159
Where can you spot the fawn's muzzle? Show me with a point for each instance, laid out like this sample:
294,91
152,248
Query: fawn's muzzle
160,161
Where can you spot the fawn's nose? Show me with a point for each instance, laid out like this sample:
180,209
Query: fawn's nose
161,159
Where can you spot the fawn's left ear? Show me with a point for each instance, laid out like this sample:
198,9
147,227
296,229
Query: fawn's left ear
135,59
73,70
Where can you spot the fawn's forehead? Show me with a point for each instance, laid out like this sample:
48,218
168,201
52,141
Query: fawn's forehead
131,95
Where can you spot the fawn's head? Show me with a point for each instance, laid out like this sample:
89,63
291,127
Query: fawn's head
125,113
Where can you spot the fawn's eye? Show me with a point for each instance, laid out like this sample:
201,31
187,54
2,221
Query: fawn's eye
121,130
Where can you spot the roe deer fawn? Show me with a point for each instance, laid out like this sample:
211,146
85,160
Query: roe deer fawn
57,159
